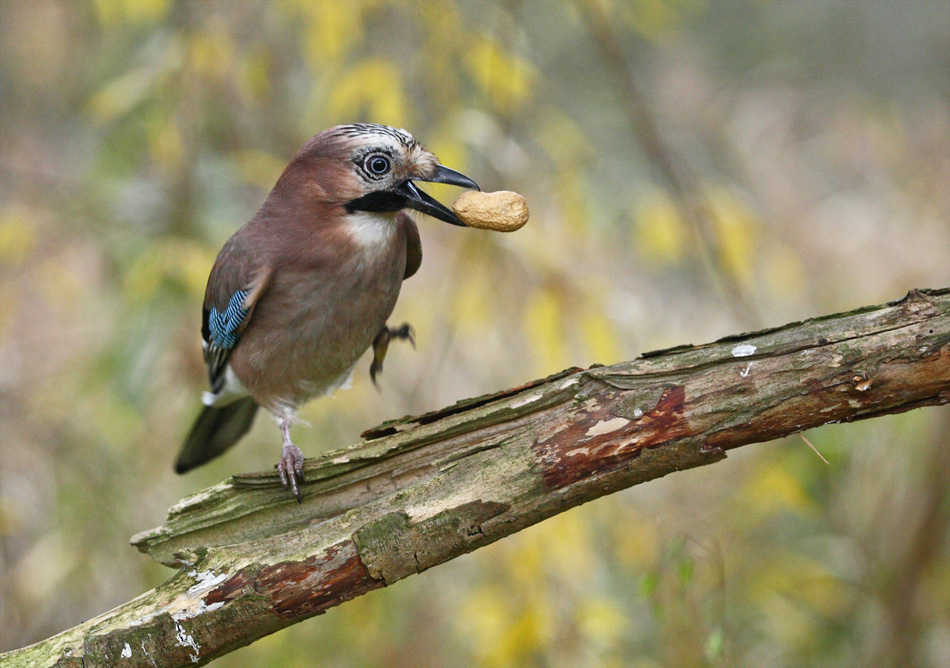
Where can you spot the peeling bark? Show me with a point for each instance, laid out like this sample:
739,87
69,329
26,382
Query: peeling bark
423,490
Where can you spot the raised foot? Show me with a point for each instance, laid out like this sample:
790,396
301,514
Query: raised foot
290,468
404,332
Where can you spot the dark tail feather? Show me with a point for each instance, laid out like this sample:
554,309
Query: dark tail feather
215,430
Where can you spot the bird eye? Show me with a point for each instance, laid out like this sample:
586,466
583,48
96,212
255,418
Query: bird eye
377,164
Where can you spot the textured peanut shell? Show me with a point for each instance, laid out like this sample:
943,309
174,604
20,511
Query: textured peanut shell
502,211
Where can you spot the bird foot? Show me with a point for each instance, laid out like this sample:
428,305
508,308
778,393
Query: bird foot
404,332
290,468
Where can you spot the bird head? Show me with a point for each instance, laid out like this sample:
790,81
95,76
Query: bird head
374,168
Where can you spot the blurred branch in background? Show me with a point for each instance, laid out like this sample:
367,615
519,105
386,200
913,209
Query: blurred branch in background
675,170
427,489
915,553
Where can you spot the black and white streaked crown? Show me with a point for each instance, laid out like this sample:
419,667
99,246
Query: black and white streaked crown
371,129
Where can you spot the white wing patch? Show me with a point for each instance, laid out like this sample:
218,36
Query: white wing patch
232,390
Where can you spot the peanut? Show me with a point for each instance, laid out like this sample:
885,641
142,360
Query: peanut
501,211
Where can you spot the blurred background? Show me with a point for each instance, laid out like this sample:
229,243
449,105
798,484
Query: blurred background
694,169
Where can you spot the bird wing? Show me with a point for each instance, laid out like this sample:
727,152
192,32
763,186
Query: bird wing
413,244
234,288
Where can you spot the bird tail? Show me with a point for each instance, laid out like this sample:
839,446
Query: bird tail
215,430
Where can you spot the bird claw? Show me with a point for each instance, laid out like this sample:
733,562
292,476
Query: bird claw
404,332
290,468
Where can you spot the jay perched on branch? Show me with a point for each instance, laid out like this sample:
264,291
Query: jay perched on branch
300,292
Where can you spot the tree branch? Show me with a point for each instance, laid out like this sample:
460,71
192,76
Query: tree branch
427,489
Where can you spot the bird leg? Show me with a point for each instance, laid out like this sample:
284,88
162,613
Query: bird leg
290,466
404,332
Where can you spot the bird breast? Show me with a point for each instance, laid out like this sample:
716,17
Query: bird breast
322,311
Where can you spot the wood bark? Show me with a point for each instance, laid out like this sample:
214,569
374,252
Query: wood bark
423,490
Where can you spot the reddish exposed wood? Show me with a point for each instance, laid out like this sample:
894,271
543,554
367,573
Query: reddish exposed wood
580,450
301,588
309,587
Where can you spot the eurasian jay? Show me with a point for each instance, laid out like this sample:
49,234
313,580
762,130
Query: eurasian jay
300,292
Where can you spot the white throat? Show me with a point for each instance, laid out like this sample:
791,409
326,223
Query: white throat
372,231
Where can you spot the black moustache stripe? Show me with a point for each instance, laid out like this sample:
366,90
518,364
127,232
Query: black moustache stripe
383,201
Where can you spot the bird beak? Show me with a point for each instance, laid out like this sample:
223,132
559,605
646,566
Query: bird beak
420,201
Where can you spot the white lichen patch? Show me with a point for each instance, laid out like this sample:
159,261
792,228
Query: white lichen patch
531,398
607,426
202,608
204,581
187,640
188,603
126,652
744,350
570,381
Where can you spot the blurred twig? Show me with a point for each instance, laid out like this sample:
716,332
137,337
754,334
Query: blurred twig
430,488
682,182
900,591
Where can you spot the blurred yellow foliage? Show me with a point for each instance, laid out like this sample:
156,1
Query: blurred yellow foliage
371,89
562,139
655,19
736,228
472,306
113,12
659,231
601,621
565,543
773,488
254,75
114,419
60,284
258,168
790,623
17,235
503,631
183,261
784,272
165,143
47,565
544,329
8,516
573,204
599,336
450,151
332,28
637,540
121,94
210,54
483,616
504,78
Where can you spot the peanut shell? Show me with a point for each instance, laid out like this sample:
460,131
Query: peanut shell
501,211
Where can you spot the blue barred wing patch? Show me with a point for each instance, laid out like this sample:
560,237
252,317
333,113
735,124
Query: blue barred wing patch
223,335
223,325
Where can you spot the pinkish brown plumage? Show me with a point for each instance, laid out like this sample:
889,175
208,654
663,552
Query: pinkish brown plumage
302,290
